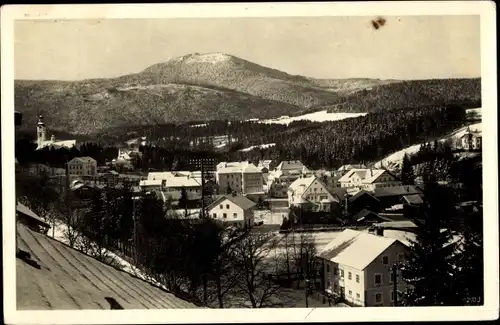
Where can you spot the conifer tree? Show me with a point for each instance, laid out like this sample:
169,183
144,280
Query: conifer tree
407,175
429,270
470,261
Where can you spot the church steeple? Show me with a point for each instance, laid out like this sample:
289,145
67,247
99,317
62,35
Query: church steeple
40,128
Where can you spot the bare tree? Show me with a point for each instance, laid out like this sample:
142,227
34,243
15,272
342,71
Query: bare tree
304,257
225,275
255,257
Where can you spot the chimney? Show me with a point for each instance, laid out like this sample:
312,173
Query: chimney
53,138
379,231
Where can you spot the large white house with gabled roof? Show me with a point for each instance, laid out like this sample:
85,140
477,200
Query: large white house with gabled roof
233,209
358,266
369,179
312,193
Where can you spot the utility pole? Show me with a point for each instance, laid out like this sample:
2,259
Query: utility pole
395,284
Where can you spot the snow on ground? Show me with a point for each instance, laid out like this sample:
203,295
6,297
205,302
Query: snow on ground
262,146
477,111
321,116
395,159
59,233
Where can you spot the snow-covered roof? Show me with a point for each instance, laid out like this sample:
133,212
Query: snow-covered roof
349,167
366,175
303,182
288,165
356,249
151,182
237,167
240,200
181,181
160,175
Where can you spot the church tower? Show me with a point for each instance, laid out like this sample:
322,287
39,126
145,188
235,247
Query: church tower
40,130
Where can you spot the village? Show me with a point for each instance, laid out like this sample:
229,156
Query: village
357,217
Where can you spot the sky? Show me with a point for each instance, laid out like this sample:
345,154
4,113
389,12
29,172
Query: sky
406,47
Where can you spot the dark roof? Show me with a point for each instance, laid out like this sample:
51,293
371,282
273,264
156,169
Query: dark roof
340,192
363,214
413,199
360,194
69,279
397,191
240,200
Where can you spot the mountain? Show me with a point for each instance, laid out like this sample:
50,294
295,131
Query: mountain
211,86
87,107
412,93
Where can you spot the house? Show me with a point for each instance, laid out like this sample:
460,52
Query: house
53,276
284,175
182,183
311,193
412,199
366,216
82,166
42,142
363,200
391,196
233,209
151,185
369,179
240,177
292,167
357,266
345,168
471,140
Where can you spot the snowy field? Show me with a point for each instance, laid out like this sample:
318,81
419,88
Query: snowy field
262,146
395,159
321,116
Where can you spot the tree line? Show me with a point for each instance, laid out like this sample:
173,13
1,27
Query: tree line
318,145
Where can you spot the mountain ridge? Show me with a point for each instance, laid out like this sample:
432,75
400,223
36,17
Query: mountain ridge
210,86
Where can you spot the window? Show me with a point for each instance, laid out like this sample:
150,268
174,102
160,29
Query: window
385,260
378,297
335,271
328,268
349,276
224,215
357,295
227,206
341,273
357,278
235,215
350,292
378,278
221,206
215,215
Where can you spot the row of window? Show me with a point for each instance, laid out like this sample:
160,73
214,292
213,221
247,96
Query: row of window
224,215
378,296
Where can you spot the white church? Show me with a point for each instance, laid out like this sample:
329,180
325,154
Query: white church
42,141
